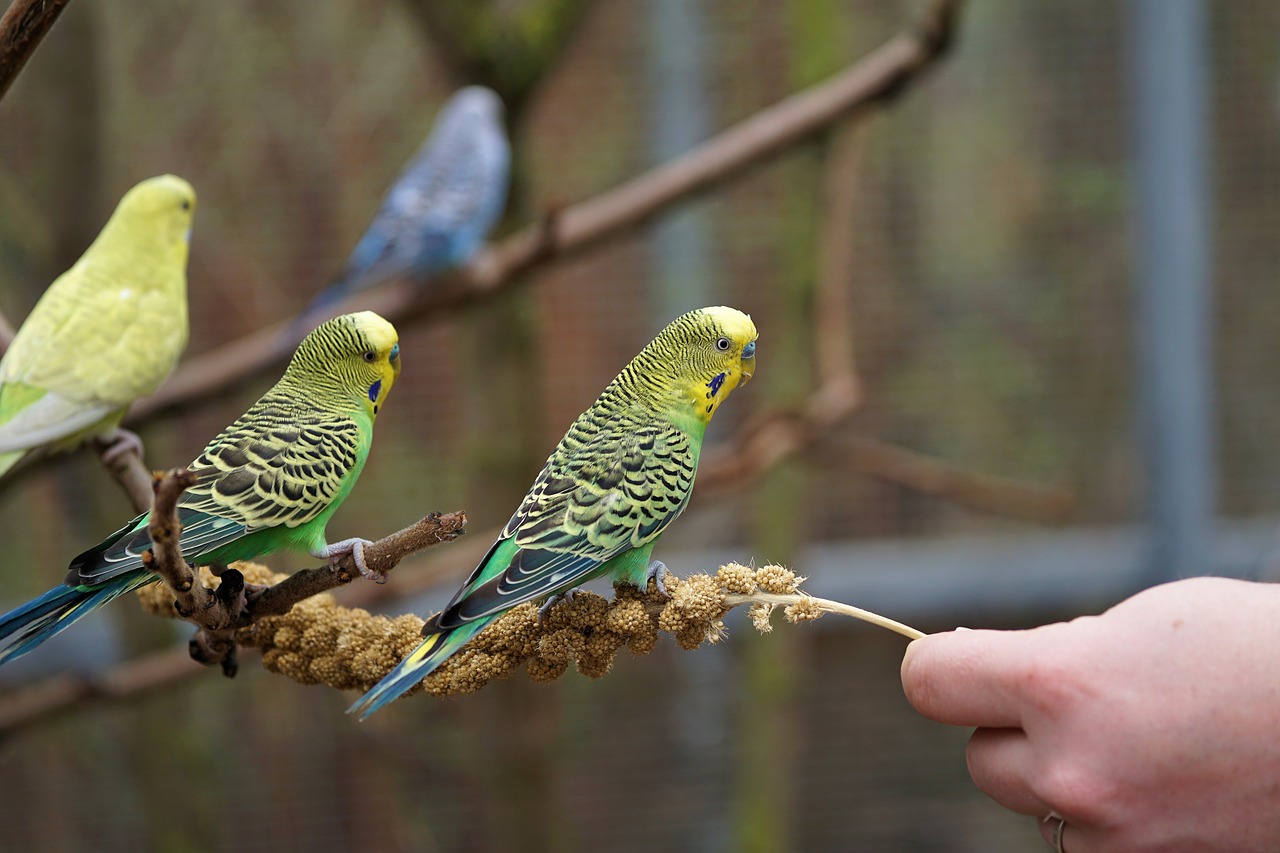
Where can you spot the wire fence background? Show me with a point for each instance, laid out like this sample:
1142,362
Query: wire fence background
994,327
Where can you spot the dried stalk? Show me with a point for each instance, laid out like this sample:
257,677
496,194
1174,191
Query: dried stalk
823,605
350,649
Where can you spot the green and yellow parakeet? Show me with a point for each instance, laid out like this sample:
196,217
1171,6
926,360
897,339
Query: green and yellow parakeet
620,475
106,332
270,481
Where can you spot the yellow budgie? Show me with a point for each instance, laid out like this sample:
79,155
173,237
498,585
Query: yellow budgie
107,331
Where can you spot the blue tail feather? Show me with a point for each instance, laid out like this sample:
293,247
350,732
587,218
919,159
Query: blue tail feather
434,650
26,627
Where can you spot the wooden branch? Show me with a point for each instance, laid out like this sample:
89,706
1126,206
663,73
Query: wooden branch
165,558
382,556
21,29
881,75
131,473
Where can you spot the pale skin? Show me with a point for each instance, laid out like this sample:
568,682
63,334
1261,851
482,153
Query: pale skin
1152,727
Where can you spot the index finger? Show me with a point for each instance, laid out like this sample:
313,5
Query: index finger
967,678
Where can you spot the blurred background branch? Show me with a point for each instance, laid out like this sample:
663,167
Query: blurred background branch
22,27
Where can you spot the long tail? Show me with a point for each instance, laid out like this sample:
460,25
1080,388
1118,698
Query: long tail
421,662
28,626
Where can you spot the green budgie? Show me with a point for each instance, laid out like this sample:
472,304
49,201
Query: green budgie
106,332
620,475
268,482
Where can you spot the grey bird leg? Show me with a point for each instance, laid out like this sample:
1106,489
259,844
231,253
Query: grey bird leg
355,547
120,442
658,574
545,610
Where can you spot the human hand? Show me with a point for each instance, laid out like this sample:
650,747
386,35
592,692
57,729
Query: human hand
1153,727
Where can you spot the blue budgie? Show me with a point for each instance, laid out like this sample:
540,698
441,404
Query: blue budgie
443,204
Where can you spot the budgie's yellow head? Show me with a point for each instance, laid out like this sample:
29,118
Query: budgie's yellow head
160,209
357,354
700,357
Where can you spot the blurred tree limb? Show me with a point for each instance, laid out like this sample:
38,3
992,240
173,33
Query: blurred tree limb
21,29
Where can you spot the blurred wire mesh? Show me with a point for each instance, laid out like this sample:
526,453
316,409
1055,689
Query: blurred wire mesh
991,313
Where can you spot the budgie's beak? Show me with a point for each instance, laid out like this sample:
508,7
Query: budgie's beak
748,362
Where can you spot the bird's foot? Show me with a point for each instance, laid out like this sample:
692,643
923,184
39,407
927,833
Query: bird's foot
119,443
544,612
658,574
355,547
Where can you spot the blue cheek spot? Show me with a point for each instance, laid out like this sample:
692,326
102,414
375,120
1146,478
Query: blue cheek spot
374,390
715,383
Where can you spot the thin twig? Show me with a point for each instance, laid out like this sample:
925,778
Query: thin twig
382,556
825,604
21,29
130,472
880,75
165,558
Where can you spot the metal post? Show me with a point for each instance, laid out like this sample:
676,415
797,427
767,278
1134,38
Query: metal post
1170,163
682,265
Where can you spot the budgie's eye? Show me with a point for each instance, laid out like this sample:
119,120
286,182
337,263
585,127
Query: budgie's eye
723,345
370,356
